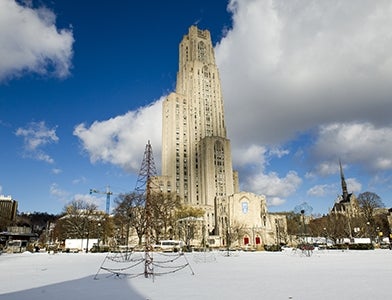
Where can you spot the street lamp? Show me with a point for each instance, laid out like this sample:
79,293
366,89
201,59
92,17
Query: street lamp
303,225
87,233
326,237
99,234
128,228
368,231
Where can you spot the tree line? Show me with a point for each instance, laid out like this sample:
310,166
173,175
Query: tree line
82,219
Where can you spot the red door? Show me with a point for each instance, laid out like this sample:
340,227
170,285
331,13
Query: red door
258,240
246,240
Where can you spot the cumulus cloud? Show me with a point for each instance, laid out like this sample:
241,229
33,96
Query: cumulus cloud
79,180
320,190
275,188
329,190
121,140
250,155
298,64
36,135
56,171
286,67
57,192
90,199
30,42
66,197
353,186
355,142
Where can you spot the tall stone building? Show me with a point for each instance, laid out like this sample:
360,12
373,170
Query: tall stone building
196,153
8,210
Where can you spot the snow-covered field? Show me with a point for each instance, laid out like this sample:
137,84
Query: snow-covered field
244,275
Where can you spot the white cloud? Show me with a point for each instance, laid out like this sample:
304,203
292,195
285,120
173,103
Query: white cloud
273,186
298,64
66,197
30,42
87,198
329,190
36,135
278,152
57,192
254,154
121,140
324,168
79,180
355,142
275,201
353,186
293,65
56,171
320,190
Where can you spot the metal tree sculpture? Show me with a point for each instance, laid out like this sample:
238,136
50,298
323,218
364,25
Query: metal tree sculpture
118,264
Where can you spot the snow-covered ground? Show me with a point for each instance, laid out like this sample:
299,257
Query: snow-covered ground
243,275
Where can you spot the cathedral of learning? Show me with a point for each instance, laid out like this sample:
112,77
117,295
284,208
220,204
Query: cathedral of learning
196,154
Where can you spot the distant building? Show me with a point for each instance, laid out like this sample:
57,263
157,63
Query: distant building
389,218
8,209
346,203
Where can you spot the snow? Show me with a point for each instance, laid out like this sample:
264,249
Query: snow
327,274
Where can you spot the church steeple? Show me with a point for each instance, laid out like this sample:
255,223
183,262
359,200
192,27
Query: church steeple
343,181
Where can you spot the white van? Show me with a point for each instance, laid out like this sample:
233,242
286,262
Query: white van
169,246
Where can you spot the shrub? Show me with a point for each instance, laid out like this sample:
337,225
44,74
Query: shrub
273,248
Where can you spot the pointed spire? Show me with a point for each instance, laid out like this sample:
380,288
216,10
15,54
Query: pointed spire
343,181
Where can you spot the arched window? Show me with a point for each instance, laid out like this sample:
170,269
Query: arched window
246,240
201,51
219,163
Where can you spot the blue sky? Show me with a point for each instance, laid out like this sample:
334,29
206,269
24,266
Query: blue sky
305,83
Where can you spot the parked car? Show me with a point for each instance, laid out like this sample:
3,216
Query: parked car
169,246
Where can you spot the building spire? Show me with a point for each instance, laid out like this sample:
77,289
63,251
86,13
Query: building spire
343,181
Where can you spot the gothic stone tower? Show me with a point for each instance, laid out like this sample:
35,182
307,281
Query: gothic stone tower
346,203
196,154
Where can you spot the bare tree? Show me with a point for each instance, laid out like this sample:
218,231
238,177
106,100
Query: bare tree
164,206
368,203
235,233
294,223
187,223
131,212
80,220
185,211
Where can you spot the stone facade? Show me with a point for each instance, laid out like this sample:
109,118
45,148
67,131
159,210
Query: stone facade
196,153
346,203
8,210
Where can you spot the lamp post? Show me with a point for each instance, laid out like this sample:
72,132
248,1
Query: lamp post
277,232
368,231
87,233
303,225
378,235
128,228
99,234
188,237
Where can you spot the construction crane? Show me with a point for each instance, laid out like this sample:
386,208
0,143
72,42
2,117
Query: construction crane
108,193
